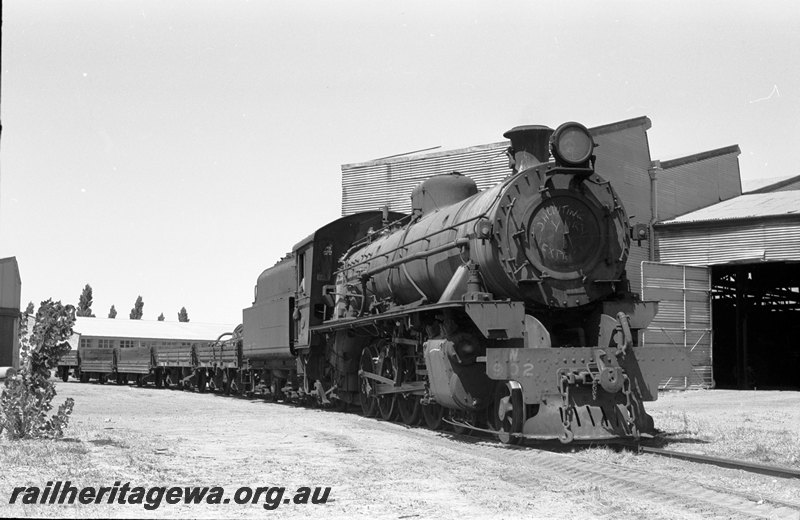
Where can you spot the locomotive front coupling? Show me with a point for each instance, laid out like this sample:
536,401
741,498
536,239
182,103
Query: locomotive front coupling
585,393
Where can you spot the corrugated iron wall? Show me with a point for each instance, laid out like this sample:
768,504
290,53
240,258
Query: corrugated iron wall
721,242
623,158
372,185
694,185
683,319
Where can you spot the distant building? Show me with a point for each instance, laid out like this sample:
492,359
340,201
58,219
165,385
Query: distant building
10,288
112,333
750,245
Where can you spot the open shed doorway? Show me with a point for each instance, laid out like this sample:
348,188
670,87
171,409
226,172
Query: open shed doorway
756,325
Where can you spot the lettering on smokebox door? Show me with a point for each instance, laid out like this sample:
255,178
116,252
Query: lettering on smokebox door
559,231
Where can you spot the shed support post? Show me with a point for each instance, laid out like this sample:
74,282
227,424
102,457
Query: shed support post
741,329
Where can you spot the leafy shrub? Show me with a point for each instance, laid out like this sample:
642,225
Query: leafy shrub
27,396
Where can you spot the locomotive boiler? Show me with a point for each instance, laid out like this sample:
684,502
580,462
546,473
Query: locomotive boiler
505,309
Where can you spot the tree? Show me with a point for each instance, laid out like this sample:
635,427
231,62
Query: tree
161,317
136,312
28,394
183,316
30,309
85,303
112,312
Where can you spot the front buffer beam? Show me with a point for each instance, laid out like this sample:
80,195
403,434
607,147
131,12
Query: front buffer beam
587,393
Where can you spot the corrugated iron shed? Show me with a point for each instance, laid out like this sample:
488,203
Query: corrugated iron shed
695,181
761,227
145,329
749,206
369,186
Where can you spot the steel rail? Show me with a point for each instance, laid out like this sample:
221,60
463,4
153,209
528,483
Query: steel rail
752,467
775,471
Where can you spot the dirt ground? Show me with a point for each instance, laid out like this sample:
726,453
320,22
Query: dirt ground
376,469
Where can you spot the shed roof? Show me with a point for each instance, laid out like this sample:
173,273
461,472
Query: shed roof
146,329
702,156
491,147
749,206
771,184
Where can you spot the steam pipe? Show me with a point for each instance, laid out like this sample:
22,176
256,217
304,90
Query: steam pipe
653,171
416,256
406,244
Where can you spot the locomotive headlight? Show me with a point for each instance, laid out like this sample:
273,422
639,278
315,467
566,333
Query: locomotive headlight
571,144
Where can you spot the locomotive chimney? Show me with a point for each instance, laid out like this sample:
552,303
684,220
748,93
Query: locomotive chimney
529,146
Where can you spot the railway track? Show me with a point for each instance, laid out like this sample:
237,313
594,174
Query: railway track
752,467
698,496
659,486
687,489
775,471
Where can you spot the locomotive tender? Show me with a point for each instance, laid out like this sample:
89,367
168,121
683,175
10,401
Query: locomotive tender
505,309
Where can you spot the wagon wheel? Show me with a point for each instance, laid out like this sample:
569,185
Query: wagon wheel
509,412
139,379
183,383
84,377
366,394
387,404
433,416
159,378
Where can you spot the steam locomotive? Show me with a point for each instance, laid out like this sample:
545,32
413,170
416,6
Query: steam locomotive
506,309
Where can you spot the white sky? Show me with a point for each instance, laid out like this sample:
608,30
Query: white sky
175,149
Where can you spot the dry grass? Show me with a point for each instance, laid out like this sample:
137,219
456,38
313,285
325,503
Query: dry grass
606,505
761,429
90,455
157,438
